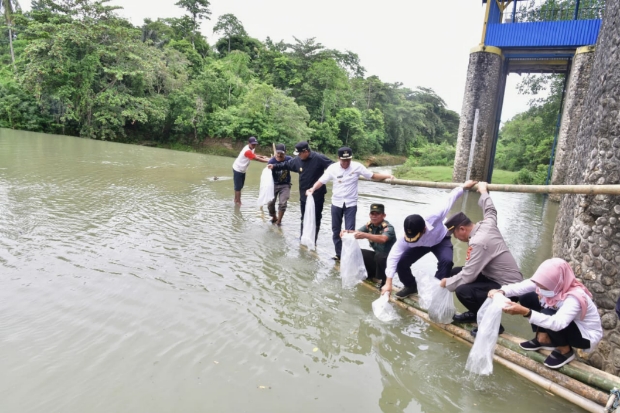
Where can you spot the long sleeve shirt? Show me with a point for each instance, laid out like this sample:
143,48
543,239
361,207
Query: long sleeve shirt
344,191
435,232
309,170
568,310
487,253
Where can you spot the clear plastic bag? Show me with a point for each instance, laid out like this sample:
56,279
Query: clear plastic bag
352,269
266,191
308,236
426,288
383,309
480,360
442,306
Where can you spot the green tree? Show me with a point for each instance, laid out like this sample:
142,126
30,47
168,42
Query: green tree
8,9
198,10
229,25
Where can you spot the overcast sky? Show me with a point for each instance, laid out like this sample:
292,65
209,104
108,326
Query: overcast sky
418,43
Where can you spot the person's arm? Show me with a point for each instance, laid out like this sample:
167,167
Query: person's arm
568,312
442,210
316,186
517,289
477,259
289,165
381,177
485,202
392,260
325,178
261,158
378,238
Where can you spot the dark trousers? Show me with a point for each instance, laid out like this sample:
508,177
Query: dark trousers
348,213
319,200
442,251
375,263
474,294
570,336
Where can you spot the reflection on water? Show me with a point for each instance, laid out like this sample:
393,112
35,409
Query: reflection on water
130,283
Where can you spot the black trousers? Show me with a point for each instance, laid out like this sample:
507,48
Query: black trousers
473,295
375,263
348,213
442,251
319,200
569,336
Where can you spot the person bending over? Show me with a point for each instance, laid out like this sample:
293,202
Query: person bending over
560,310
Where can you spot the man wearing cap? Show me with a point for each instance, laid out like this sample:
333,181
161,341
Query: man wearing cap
381,236
241,164
423,235
345,175
488,264
281,185
310,166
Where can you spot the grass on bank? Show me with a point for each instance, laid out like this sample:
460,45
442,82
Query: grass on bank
444,174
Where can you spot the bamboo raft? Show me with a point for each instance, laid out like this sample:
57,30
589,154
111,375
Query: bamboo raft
578,383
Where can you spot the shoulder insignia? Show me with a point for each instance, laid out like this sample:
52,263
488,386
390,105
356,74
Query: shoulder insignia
469,250
384,224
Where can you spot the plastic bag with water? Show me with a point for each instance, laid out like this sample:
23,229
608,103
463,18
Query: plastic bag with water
426,288
442,306
265,193
480,360
383,309
352,269
308,236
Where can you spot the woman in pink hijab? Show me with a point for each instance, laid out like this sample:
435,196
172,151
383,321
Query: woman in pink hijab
560,309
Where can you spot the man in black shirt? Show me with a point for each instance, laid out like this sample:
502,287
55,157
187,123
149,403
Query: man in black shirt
310,166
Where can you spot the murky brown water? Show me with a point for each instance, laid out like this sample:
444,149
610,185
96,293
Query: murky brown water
129,283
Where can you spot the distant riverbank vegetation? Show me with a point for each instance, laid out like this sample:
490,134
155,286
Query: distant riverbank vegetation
75,67
80,69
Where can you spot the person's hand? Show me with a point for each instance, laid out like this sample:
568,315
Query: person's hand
387,288
270,166
515,308
493,292
482,187
469,184
309,192
442,283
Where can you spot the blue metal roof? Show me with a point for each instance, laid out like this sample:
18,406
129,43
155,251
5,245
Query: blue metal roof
564,33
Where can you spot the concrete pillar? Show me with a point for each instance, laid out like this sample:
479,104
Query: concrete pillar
587,231
576,88
484,79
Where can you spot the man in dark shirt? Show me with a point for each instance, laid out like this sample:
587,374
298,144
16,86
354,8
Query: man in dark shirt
281,185
310,166
381,236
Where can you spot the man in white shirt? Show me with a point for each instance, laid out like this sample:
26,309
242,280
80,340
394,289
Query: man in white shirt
241,166
345,175
423,234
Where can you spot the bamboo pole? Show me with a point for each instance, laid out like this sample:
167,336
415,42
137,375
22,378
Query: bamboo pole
529,189
507,350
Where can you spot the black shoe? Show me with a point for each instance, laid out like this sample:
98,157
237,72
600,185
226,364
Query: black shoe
474,332
407,291
534,344
557,359
466,317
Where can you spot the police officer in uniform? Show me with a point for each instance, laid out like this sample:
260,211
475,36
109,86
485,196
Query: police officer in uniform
381,236
489,264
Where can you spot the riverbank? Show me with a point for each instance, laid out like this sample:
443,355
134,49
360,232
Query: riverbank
231,148
444,174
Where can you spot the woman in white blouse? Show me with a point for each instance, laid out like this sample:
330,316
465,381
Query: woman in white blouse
560,309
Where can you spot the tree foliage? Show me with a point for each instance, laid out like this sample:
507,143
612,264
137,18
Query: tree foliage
83,70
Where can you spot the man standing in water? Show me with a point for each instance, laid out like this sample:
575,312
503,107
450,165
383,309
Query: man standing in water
345,175
310,166
488,265
282,185
241,164
381,236
423,235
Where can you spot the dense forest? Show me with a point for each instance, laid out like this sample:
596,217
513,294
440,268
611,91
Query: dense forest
76,67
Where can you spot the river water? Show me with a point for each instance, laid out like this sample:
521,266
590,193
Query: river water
130,283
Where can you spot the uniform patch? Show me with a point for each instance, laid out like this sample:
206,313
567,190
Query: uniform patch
386,230
468,253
